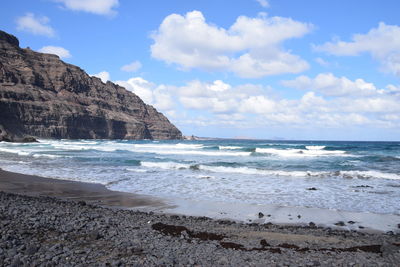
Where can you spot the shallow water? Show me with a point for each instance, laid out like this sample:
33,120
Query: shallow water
351,176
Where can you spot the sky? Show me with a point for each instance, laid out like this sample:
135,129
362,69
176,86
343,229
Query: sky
267,69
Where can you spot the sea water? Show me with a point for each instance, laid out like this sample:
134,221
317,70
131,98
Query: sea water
349,176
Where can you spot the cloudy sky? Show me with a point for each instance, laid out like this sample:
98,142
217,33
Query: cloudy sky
245,68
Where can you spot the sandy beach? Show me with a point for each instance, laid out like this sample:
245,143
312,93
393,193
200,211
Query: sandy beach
56,222
70,190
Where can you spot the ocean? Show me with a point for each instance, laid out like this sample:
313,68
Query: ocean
348,176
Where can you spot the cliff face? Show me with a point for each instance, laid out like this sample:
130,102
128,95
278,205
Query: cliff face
44,97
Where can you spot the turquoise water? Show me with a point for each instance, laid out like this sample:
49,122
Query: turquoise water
352,176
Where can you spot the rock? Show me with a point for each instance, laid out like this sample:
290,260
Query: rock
31,249
311,224
42,96
16,262
312,188
340,223
29,139
260,215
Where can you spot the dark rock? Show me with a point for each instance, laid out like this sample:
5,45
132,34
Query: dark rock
42,96
264,243
363,186
340,223
31,249
311,224
16,262
312,188
351,222
260,215
29,139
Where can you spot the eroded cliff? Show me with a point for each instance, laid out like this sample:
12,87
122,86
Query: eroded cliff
44,97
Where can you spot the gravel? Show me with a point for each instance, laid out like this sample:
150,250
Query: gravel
46,231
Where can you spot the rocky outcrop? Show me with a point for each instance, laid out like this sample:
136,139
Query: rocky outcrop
42,96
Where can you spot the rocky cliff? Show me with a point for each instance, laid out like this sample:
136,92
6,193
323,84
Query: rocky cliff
44,97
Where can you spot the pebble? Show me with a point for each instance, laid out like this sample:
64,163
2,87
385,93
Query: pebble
55,232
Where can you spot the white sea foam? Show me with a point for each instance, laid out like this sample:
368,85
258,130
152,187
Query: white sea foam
200,153
229,147
315,147
264,172
105,147
223,169
170,146
15,151
165,165
300,152
136,170
253,171
369,174
52,156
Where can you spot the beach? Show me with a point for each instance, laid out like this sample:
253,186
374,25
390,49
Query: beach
56,222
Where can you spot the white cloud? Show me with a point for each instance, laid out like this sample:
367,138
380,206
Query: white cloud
383,43
251,47
35,25
132,67
151,94
322,62
103,75
382,104
99,7
330,85
56,50
220,104
263,3
258,104
140,87
393,90
217,96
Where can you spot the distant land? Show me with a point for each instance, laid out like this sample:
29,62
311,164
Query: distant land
43,97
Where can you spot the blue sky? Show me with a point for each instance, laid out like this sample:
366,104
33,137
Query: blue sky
245,68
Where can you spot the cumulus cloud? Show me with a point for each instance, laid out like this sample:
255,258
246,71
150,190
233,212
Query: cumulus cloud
330,85
35,25
217,96
103,75
151,94
383,43
56,50
217,103
250,48
99,7
132,67
263,3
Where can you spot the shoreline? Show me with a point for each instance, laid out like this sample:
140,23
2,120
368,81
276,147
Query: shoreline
92,193
41,230
98,194
40,227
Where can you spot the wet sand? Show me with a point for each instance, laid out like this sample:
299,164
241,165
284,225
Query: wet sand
31,185
56,222
98,194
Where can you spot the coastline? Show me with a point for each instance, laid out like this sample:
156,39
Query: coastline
98,194
71,226
91,193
